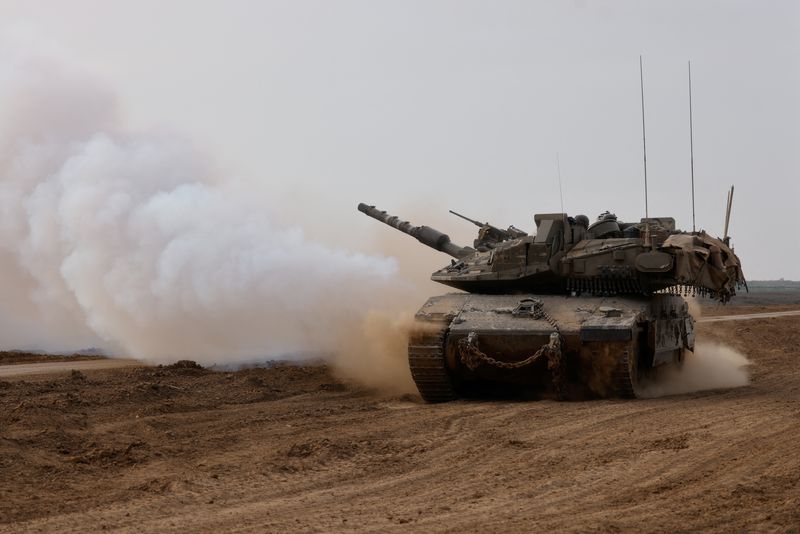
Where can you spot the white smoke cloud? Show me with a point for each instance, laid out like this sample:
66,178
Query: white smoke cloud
137,244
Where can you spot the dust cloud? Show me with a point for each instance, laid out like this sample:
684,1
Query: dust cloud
136,244
695,307
376,353
711,366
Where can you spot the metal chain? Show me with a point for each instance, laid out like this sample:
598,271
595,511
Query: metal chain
555,364
473,357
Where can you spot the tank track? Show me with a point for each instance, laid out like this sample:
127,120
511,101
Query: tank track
625,379
428,367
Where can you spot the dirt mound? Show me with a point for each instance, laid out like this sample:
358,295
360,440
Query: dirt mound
183,364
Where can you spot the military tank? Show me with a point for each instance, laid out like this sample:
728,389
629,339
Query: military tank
575,309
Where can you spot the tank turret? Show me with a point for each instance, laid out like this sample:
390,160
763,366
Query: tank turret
564,256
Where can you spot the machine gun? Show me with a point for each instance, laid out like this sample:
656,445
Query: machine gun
489,236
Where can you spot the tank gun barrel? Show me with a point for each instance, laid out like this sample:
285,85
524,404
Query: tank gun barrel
424,234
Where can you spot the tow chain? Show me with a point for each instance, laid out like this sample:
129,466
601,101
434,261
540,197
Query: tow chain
473,357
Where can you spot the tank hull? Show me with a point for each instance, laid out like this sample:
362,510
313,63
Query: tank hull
567,347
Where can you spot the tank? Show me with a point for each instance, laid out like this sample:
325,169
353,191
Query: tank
574,310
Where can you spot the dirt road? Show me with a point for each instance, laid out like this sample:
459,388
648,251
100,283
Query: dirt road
290,449
51,368
748,316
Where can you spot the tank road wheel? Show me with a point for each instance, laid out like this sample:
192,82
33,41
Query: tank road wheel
427,362
626,376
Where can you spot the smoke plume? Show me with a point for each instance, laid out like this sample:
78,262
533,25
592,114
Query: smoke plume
136,244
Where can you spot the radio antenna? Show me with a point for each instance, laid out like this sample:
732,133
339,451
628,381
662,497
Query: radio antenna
644,158
728,215
691,143
560,190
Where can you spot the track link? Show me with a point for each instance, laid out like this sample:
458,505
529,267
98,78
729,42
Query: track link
427,362
625,377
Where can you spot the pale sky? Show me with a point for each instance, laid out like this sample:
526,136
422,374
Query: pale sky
435,105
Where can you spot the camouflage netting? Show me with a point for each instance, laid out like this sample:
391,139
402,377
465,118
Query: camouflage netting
705,262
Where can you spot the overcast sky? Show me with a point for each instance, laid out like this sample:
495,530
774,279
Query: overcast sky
436,105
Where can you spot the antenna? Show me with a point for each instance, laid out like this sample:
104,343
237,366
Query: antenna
691,143
560,191
728,215
644,157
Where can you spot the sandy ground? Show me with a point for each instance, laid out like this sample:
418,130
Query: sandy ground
291,449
